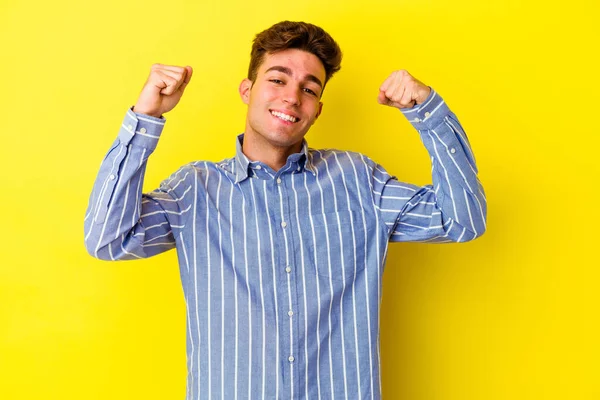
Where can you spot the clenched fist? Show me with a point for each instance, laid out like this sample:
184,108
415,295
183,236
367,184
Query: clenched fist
163,89
402,90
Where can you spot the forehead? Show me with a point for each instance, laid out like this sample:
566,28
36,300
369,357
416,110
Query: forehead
301,63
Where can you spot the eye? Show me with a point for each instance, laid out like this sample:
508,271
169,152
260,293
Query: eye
309,91
277,81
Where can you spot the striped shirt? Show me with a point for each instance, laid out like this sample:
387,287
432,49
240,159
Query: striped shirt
282,270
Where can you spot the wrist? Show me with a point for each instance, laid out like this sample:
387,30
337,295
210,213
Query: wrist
139,110
423,96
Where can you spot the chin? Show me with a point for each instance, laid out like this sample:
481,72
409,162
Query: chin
278,138
281,139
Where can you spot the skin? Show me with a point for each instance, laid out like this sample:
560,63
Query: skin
163,89
289,82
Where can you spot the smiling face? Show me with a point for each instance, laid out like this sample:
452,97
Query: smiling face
283,102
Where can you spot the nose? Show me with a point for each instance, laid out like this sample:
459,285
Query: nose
291,95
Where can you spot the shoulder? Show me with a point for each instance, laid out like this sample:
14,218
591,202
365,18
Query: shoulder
341,158
204,167
197,171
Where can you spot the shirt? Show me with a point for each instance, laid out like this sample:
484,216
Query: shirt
282,270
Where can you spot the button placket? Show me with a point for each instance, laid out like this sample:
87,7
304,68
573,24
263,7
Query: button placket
289,305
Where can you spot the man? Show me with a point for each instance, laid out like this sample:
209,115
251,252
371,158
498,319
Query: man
282,247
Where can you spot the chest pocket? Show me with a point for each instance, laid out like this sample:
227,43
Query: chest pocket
336,243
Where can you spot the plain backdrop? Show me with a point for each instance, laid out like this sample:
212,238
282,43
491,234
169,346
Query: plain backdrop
512,315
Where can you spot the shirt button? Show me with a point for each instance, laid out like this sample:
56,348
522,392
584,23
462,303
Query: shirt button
290,313
291,358
279,181
288,269
453,150
258,167
283,224
130,127
427,114
143,130
112,177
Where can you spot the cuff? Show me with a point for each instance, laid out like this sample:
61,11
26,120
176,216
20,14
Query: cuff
429,114
142,130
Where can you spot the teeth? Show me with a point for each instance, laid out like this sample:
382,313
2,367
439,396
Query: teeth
284,117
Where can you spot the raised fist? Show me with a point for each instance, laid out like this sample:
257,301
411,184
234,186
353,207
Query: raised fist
402,90
163,89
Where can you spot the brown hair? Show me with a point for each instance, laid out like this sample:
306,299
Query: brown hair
296,35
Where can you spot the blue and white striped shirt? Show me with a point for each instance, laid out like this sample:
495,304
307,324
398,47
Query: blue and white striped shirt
282,270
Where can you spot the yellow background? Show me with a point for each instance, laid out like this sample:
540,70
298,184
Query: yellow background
513,315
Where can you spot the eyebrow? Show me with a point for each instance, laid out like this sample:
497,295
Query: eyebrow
287,71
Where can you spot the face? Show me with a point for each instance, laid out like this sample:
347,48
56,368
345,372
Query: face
284,100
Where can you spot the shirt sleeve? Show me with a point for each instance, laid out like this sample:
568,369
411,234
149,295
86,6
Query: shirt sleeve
120,221
453,208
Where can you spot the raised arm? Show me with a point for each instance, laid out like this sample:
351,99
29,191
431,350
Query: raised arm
453,208
120,221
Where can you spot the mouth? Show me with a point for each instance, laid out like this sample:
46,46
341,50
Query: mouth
284,117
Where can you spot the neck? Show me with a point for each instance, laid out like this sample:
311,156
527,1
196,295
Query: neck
273,156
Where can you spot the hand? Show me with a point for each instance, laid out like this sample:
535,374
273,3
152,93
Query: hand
163,89
402,90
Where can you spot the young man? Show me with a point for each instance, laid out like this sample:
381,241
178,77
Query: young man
282,247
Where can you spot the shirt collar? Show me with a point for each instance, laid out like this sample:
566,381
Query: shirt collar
242,163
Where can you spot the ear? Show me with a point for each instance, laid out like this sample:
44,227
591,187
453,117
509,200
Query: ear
319,110
244,90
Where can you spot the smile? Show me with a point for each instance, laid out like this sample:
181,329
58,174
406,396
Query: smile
284,117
